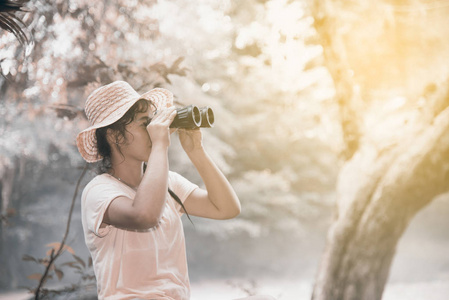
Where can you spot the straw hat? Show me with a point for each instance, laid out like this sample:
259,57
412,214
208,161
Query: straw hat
108,104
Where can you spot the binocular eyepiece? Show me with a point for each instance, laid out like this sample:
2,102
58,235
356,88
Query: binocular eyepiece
191,117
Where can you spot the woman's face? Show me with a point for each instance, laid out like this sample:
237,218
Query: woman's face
137,143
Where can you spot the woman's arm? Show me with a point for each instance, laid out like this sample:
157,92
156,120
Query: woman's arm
219,200
145,210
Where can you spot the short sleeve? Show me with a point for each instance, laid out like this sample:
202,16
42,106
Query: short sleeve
181,186
96,199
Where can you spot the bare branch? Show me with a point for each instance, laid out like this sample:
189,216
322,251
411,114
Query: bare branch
54,256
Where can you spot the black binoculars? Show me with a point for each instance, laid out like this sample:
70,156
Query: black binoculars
191,117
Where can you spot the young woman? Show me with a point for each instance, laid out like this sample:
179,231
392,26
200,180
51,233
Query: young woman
131,213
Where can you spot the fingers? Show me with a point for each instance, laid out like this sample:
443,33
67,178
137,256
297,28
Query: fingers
158,128
171,114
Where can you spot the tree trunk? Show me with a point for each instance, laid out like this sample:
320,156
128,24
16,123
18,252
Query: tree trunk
377,198
378,192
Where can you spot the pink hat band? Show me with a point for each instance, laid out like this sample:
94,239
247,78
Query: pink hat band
108,104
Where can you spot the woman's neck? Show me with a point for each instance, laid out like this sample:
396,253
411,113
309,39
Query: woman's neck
128,174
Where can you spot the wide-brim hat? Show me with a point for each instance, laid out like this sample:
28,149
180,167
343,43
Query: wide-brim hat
107,105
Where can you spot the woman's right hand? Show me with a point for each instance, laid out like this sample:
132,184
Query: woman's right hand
159,127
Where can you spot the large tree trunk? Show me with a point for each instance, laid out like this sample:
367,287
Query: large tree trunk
378,192
377,198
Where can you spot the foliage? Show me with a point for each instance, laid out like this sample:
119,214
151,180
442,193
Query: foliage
48,87
79,266
56,249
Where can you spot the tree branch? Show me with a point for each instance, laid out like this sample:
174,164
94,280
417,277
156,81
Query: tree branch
61,247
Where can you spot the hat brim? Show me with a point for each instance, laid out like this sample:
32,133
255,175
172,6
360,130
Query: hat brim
161,98
86,140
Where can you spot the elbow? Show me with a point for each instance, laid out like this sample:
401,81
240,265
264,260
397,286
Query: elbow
147,221
152,223
233,213
237,211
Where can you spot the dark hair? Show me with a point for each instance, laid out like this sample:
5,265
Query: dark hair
119,129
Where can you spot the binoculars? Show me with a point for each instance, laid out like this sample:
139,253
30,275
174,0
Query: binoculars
191,117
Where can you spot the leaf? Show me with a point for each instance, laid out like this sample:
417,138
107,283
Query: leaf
59,273
177,62
65,110
44,261
27,257
79,260
68,249
78,268
72,264
55,246
35,276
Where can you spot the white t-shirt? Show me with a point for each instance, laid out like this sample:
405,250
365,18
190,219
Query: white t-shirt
130,264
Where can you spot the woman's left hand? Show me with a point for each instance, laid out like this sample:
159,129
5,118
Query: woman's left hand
191,139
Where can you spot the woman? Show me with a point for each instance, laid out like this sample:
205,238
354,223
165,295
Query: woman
131,214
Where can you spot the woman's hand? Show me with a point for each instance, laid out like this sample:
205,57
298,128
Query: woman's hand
158,129
191,139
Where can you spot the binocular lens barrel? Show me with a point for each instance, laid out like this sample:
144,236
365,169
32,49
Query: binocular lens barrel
191,117
207,117
187,117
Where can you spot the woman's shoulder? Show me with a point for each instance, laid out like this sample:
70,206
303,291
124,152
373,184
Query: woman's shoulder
101,180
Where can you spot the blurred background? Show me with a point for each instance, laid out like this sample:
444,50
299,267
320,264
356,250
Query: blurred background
301,90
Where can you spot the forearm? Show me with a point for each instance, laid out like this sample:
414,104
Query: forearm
219,190
151,195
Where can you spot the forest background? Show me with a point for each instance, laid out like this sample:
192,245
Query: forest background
315,101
